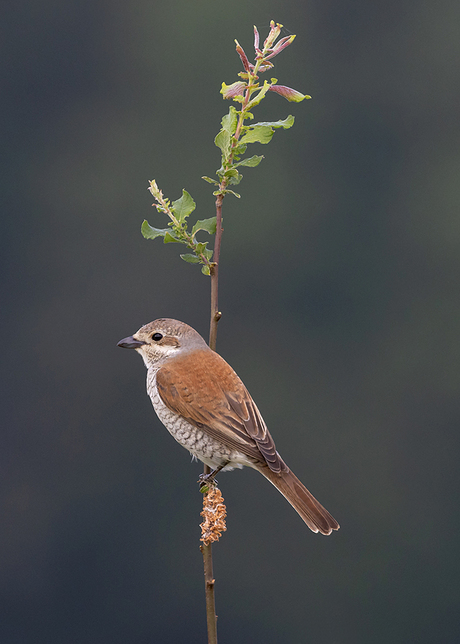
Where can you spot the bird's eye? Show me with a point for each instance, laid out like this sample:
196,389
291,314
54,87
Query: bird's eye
157,337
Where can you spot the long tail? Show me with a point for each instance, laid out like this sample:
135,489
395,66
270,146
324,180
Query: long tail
312,512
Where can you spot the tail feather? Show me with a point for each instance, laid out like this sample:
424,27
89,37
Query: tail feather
310,510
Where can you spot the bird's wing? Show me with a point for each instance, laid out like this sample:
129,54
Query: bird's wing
206,391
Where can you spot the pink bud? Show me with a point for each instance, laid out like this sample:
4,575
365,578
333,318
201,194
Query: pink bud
273,35
256,39
280,45
242,55
290,94
264,67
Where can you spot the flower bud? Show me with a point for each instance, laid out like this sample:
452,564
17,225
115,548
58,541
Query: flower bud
242,55
290,94
273,35
256,40
280,45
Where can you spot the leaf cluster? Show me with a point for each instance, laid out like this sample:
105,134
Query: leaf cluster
237,132
177,231
232,148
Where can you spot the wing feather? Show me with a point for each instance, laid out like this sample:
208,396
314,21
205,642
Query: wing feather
206,391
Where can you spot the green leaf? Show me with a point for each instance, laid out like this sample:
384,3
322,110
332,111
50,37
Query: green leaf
209,180
286,124
258,134
232,173
230,121
205,270
209,225
224,192
222,141
233,176
191,259
256,100
149,232
170,238
251,162
239,149
183,206
200,248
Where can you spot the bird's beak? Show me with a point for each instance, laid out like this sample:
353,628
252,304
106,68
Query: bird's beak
130,343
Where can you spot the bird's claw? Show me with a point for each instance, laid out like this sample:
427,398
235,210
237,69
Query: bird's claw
205,481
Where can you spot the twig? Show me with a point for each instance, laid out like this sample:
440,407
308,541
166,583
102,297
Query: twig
214,271
211,617
209,580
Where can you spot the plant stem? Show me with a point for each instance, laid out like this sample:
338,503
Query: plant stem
209,580
211,617
214,270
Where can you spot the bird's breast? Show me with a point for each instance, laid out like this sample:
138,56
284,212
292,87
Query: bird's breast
206,448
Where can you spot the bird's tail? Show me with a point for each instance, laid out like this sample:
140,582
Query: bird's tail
312,512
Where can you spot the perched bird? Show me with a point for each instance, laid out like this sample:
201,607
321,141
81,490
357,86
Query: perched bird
205,406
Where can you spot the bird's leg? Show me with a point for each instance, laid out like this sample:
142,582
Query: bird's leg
208,479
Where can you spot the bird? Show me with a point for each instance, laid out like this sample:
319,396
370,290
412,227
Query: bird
206,407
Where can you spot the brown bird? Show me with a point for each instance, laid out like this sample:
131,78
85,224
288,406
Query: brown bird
205,406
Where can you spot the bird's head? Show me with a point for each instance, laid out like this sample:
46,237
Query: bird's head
162,340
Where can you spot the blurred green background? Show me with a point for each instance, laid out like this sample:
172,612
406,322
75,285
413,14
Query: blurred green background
340,293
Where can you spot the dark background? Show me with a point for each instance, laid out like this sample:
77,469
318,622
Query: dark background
340,292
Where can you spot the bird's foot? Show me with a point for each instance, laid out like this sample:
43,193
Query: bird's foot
205,481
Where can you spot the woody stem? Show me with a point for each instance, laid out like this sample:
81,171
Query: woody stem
214,271
211,617
209,580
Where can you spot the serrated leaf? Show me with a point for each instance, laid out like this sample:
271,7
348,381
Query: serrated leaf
222,141
149,232
209,180
251,162
209,225
286,123
205,270
258,134
230,121
183,206
169,239
191,259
